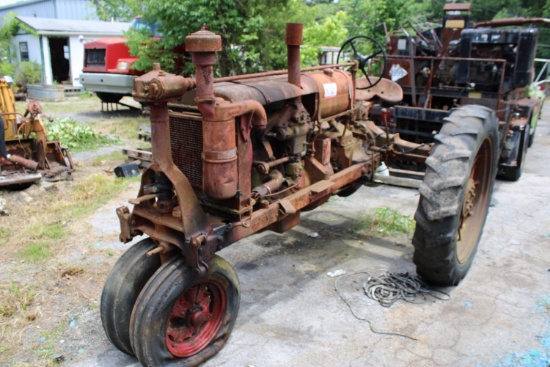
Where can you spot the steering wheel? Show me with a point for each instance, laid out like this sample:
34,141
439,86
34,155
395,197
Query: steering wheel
361,48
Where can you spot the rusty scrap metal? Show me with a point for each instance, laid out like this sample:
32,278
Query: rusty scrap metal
505,22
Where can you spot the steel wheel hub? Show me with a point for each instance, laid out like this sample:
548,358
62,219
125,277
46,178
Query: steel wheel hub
195,319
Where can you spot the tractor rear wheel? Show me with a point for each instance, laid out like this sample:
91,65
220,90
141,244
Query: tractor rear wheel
455,195
181,319
125,282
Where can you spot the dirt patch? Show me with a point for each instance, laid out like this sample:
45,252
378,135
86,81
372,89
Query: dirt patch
54,256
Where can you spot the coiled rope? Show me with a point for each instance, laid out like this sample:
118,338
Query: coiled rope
387,288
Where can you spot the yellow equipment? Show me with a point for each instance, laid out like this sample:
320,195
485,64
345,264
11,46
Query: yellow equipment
25,154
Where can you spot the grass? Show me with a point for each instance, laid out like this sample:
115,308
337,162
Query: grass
385,221
108,159
4,236
93,192
122,127
39,242
15,299
83,103
36,252
50,338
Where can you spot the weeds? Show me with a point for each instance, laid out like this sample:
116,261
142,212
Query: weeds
385,221
15,299
124,128
94,191
41,235
50,338
113,157
4,236
75,135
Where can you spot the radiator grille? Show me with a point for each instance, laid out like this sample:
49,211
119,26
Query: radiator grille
186,142
95,57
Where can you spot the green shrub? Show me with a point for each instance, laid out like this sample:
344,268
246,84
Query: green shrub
6,69
28,72
75,135
385,221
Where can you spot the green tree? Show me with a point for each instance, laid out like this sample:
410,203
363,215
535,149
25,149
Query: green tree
252,32
118,10
367,17
10,28
329,32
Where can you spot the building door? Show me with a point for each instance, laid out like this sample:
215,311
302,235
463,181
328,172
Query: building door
59,53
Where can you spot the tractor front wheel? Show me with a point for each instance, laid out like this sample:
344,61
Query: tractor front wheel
127,278
181,319
455,195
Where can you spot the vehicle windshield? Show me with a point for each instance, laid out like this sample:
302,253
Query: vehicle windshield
139,23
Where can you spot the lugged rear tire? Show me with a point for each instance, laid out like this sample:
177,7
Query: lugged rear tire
455,195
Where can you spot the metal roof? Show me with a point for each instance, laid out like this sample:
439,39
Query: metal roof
15,3
49,26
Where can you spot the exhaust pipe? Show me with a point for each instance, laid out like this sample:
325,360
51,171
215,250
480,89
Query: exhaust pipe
293,42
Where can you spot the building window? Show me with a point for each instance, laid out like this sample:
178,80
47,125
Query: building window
24,51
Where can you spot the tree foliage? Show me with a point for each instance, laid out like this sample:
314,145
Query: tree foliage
252,31
11,26
368,17
117,10
329,32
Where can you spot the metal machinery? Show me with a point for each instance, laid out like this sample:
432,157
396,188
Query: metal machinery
25,154
457,65
237,155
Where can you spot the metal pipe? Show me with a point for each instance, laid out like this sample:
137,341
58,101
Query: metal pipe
203,46
265,167
269,187
293,42
220,171
510,22
259,116
27,163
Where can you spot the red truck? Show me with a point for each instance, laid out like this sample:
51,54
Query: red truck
108,67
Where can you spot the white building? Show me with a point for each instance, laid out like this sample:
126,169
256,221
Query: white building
56,9
62,28
59,45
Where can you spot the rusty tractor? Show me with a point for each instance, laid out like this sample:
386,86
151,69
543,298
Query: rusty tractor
26,156
236,155
458,64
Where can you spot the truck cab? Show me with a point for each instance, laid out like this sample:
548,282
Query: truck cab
108,65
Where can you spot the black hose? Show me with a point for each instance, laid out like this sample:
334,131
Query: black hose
3,150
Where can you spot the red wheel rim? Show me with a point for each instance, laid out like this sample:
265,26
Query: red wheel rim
195,318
